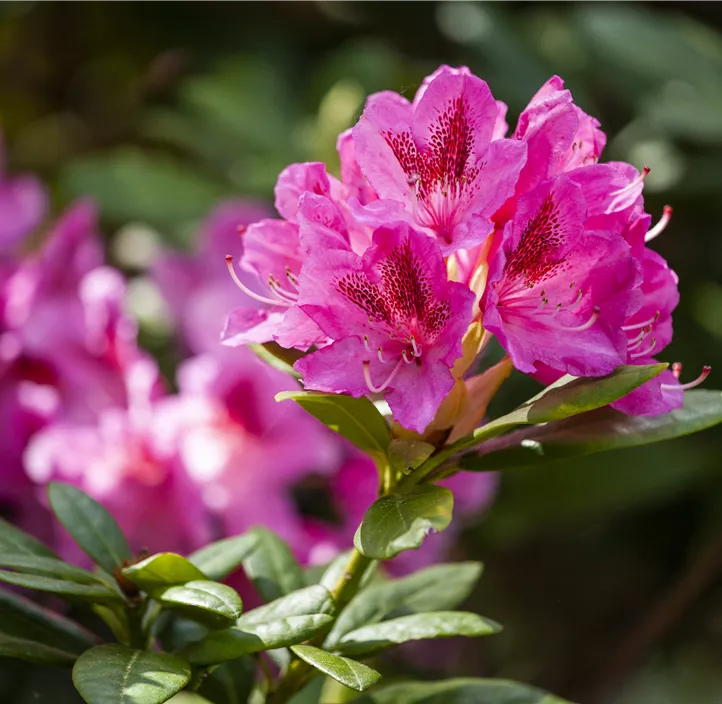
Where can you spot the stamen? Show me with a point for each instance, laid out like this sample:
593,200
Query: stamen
366,343
248,292
689,385
632,184
587,325
645,353
405,358
677,369
381,356
636,326
378,389
637,341
275,286
659,227
415,347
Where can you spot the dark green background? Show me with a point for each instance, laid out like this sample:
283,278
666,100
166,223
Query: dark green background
606,572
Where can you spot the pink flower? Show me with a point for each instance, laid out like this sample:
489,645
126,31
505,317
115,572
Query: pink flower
274,254
122,460
559,135
240,449
196,286
395,320
558,293
23,202
433,163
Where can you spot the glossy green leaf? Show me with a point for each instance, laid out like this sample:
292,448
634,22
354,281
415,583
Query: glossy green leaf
219,559
437,588
24,618
356,419
409,454
32,651
90,525
353,674
567,397
47,567
232,643
332,573
16,541
311,600
116,674
231,682
460,691
212,604
437,624
271,565
61,587
162,570
278,357
399,522
597,431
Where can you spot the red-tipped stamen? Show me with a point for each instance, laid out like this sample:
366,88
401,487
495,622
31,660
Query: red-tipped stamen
690,385
378,389
658,229
278,290
415,347
248,292
632,184
677,369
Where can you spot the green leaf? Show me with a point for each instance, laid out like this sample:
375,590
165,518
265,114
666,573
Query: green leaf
398,522
219,559
32,651
230,683
409,454
61,587
47,567
278,357
162,570
210,603
356,419
437,588
15,541
23,618
331,574
460,691
271,566
567,397
348,672
310,600
90,525
235,642
437,624
597,431
116,674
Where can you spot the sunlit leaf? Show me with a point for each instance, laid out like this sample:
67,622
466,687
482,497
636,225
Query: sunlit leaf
399,522
212,604
353,674
115,674
219,559
162,570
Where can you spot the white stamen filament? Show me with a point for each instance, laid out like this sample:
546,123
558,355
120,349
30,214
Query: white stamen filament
689,385
637,341
366,343
378,389
647,352
415,347
277,289
632,184
381,356
587,325
636,326
405,358
252,294
659,227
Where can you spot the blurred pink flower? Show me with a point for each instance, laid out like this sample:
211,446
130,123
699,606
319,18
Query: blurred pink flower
23,202
196,285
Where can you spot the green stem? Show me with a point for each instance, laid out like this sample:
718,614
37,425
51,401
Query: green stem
300,672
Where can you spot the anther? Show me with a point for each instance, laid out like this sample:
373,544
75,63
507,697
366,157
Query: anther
380,354
248,292
378,389
405,358
659,227
416,348
366,343
677,369
689,385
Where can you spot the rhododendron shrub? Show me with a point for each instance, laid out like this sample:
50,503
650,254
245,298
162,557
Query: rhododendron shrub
389,305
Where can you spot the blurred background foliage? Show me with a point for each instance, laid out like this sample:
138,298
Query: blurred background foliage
607,571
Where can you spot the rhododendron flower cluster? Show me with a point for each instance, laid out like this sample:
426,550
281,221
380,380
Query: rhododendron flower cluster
444,232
